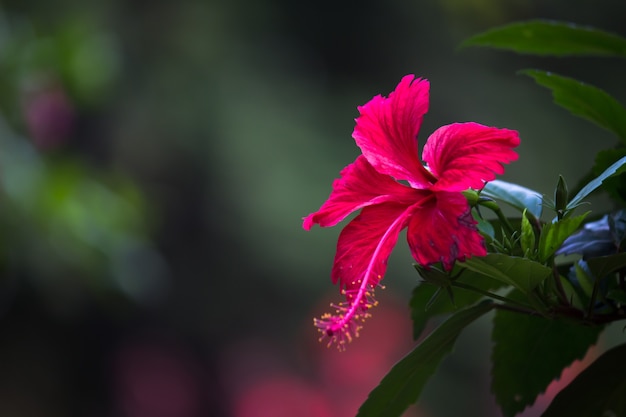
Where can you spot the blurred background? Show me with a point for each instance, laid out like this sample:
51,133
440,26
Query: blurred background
157,158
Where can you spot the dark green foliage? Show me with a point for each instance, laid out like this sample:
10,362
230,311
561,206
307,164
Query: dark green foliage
529,352
586,396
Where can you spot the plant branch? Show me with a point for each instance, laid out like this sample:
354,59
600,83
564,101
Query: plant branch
516,309
594,295
488,294
493,206
559,287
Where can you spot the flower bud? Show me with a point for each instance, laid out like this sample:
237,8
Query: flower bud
561,197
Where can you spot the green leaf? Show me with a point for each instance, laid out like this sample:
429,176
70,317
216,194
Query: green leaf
596,391
615,169
402,386
527,239
602,266
521,273
554,234
515,195
585,281
546,37
617,295
575,294
484,226
529,352
426,303
584,100
440,280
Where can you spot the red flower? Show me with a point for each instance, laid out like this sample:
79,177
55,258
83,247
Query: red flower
440,226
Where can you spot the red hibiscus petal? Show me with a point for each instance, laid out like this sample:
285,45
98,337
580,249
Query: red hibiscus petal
366,242
360,185
465,155
443,230
360,263
386,131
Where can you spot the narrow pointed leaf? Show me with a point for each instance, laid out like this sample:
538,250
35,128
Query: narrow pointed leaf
584,100
547,37
615,169
514,195
402,386
521,273
585,281
527,239
585,397
529,352
616,185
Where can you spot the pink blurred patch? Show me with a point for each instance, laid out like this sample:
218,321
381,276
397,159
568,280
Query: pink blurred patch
156,380
308,379
283,396
348,377
49,116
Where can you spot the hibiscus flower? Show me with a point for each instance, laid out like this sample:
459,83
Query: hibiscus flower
395,190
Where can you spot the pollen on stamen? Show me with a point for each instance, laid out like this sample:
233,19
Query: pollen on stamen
345,324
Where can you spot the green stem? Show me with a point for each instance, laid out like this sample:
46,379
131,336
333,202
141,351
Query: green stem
493,206
516,309
594,295
559,287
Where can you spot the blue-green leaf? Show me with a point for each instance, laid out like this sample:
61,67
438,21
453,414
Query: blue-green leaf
402,386
592,240
519,197
547,37
584,100
615,169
